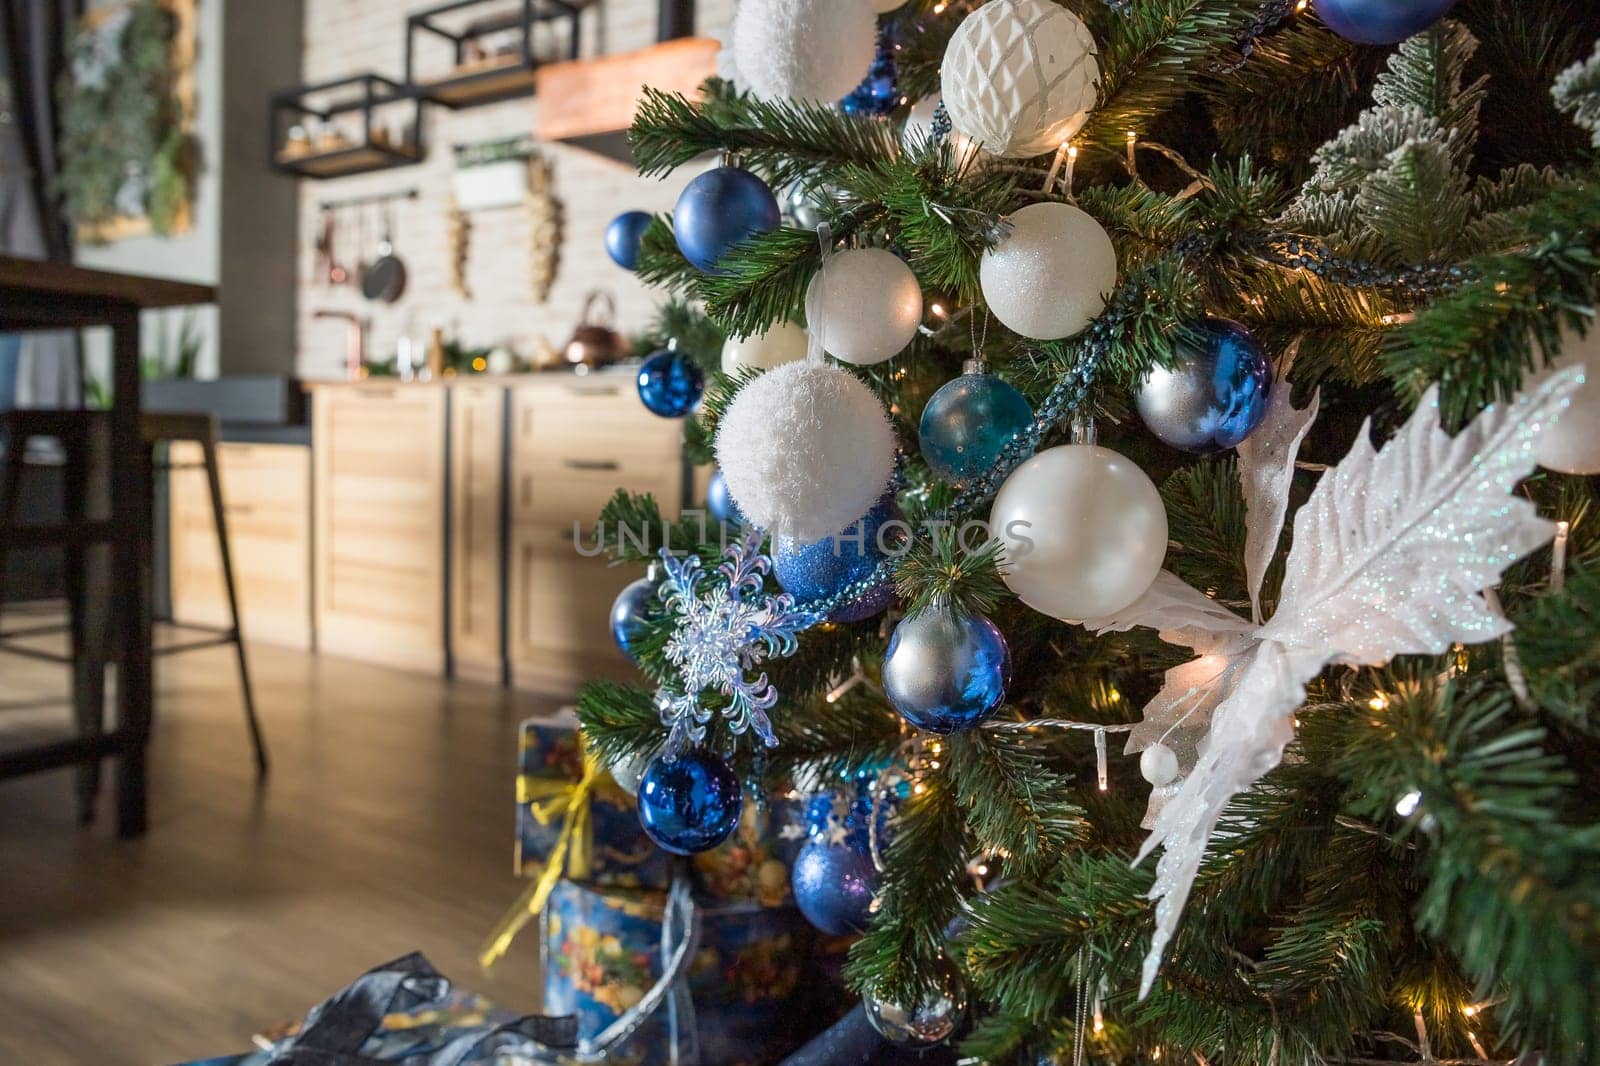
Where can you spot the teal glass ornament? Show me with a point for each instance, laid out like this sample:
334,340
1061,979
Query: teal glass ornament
968,422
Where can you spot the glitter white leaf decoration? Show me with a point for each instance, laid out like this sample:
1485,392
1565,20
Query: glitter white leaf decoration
1266,469
1391,556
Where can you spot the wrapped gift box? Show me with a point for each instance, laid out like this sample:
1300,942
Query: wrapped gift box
611,848
602,952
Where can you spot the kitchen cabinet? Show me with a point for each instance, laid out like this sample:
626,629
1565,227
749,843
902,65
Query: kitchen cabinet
573,443
266,495
379,464
477,490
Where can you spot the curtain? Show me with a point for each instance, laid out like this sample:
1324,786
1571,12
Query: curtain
46,368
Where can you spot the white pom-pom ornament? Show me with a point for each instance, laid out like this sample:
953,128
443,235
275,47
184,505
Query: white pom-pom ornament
1050,276
783,343
806,449
865,305
1019,76
1572,445
1159,765
815,50
1084,532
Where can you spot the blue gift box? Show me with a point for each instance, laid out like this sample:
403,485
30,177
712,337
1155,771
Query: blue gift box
603,953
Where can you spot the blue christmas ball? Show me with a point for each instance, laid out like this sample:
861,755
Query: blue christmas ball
1381,21
879,92
946,673
690,803
819,570
967,423
719,209
630,611
833,886
670,383
720,502
1216,394
623,236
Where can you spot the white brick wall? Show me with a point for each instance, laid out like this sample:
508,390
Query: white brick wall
344,36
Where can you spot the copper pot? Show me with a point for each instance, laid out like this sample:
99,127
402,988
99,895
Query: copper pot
595,343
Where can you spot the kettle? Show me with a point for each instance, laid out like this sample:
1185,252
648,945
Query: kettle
595,343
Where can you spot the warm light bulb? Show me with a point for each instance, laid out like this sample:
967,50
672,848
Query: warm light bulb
1407,805
1379,702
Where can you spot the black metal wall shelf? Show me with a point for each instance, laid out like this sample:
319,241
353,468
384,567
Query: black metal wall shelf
485,71
330,150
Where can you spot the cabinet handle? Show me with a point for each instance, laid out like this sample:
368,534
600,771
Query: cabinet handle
592,464
595,390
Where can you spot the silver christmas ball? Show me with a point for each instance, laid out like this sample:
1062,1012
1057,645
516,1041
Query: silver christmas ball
806,204
926,1023
627,771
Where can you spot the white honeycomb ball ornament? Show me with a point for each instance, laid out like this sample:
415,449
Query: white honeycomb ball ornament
805,449
864,305
804,50
1050,276
1019,76
783,343
1572,445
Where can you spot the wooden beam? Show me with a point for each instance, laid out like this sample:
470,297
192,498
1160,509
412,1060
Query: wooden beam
49,279
588,97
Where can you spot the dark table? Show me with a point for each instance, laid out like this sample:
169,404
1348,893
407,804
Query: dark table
38,295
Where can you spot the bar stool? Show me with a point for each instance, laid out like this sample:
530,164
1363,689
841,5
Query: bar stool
201,428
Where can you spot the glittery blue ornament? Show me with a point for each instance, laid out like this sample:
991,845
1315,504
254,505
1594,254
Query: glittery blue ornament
691,802
1381,21
1215,395
879,92
720,502
717,210
833,886
817,571
968,422
670,383
630,611
945,673
623,236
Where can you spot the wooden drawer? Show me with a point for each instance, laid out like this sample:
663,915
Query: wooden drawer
380,514
560,619
266,491
580,425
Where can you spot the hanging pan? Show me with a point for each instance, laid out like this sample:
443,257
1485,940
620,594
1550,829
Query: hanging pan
385,278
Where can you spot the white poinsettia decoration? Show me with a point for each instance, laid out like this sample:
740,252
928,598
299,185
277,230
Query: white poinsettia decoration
1391,555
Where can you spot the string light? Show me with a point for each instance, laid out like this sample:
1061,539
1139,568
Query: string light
1558,557
1379,702
1407,805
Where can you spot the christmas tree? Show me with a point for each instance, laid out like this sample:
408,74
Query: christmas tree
1234,514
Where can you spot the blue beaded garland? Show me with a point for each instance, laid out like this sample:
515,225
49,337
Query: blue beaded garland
717,210
630,612
821,570
879,92
946,673
670,383
623,236
1381,21
833,886
1217,393
689,803
968,422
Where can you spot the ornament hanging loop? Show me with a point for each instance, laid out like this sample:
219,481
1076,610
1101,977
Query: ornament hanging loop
730,158
1084,432
816,348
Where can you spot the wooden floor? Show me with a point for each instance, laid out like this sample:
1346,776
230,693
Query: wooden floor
385,826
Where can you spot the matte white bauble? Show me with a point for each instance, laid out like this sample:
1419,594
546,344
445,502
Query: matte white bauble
783,343
816,50
864,305
1051,275
1572,445
1083,529
1019,76
1159,765
805,449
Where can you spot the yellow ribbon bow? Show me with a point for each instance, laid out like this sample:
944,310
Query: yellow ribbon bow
571,856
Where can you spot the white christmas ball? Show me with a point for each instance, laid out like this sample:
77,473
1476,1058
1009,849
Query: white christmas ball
1019,76
806,449
1051,275
865,305
1159,765
1084,531
1572,445
816,50
783,343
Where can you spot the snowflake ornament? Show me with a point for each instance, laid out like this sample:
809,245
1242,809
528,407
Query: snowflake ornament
726,627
